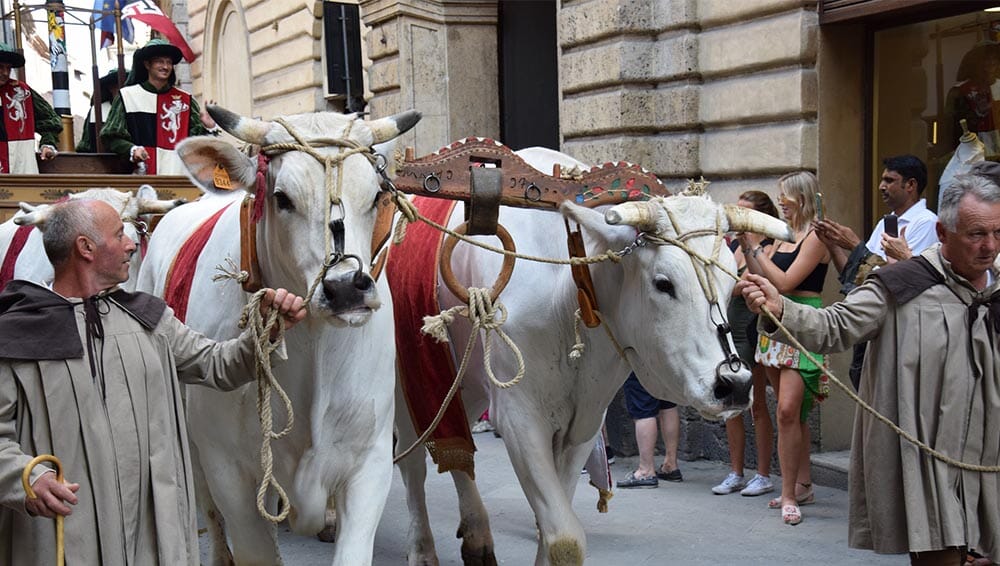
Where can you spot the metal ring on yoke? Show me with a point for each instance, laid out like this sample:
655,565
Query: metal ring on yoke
448,276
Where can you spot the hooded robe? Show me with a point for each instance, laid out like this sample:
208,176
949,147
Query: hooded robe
111,410
933,368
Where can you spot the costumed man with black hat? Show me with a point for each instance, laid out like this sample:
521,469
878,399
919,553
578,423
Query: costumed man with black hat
25,113
151,115
109,91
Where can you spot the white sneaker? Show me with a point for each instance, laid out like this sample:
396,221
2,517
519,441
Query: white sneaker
482,426
759,485
733,482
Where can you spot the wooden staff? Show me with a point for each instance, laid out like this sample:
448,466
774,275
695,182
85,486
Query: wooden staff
26,483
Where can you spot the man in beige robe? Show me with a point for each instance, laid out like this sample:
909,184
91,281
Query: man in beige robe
933,367
90,374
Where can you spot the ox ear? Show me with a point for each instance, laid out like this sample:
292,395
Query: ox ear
592,221
201,155
26,208
387,128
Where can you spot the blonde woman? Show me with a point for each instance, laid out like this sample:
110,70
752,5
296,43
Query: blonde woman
798,271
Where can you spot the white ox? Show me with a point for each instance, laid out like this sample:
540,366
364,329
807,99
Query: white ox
32,264
339,378
654,306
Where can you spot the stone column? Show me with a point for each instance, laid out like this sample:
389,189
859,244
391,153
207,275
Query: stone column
439,58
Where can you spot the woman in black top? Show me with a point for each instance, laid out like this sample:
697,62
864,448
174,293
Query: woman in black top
798,271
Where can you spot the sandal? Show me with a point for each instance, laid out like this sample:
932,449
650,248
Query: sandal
632,481
791,515
807,498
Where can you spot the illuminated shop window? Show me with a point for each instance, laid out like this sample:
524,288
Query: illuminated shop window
936,87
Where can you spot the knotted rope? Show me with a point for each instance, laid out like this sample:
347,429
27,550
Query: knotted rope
485,315
260,328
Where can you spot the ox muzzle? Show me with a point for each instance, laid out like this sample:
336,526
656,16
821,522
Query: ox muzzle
732,376
347,291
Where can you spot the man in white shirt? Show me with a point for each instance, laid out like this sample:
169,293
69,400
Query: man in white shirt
903,181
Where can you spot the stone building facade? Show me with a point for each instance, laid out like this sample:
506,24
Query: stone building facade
739,92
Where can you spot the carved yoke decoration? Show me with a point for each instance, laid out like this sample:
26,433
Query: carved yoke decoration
447,173
454,172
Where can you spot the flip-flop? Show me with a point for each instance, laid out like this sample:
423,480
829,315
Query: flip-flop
791,515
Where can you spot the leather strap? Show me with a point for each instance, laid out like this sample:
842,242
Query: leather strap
248,246
586,295
484,203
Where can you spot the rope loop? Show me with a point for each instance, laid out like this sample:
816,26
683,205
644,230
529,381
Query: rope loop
260,329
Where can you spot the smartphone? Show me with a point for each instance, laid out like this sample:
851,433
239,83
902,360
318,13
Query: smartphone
819,206
891,224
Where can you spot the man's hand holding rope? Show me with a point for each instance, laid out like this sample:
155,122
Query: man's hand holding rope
291,308
759,293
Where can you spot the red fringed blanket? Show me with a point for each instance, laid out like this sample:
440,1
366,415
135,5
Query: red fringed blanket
13,252
181,275
426,367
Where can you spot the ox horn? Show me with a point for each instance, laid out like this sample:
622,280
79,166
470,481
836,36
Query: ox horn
643,215
245,129
385,129
36,217
743,219
27,207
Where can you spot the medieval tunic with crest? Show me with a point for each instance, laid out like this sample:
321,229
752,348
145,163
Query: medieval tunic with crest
117,424
25,112
933,368
156,120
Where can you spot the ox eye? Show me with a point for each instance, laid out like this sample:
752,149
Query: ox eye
283,202
664,285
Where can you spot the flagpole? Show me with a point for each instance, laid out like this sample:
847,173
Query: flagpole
118,40
17,35
98,95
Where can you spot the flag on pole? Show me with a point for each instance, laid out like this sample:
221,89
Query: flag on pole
148,13
106,22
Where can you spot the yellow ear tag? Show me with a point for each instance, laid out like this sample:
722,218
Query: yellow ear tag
221,178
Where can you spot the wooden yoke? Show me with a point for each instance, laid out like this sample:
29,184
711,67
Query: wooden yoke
448,174
453,171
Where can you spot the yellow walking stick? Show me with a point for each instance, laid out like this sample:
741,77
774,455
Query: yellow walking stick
26,483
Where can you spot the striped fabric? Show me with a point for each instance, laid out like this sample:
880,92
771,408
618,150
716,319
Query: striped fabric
158,122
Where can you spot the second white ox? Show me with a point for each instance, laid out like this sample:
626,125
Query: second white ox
32,264
653,304
339,379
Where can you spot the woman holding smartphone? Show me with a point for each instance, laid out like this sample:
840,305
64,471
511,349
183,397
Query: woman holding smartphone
798,271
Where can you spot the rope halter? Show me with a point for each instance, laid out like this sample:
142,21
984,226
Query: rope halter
333,185
702,266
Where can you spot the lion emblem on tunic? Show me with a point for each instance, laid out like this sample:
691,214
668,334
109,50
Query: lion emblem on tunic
170,119
15,103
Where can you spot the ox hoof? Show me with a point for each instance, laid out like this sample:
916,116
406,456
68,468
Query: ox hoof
422,561
328,534
478,556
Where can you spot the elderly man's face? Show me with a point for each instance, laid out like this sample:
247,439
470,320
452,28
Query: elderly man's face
114,248
4,73
973,246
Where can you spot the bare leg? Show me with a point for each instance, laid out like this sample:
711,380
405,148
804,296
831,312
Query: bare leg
763,430
670,429
736,435
789,431
645,438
